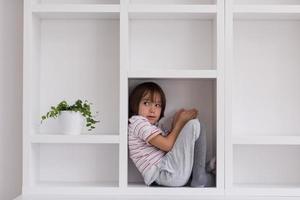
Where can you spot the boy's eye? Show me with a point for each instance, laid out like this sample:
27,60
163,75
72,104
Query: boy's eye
158,105
149,103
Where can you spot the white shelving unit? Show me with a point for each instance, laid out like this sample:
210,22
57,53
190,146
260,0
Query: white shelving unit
100,49
262,129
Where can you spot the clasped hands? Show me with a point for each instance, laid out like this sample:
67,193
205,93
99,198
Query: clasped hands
182,116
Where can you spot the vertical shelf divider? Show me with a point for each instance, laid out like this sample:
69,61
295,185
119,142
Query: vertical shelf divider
228,100
220,112
27,62
124,65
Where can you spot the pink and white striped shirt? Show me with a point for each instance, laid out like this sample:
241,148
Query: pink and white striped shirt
143,154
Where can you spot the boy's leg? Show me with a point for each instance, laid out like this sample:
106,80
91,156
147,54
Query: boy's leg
211,165
200,177
176,166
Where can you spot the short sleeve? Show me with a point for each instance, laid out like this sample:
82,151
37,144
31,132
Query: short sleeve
143,129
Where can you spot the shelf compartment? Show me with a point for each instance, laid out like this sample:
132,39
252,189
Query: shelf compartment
184,93
259,66
173,74
266,166
86,51
100,139
266,140
76,11
170,44
75,165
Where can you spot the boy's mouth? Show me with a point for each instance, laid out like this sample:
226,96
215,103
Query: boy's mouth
151,117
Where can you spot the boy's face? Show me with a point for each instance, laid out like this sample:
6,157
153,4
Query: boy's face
150,108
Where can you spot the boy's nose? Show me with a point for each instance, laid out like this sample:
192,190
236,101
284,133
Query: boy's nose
152,108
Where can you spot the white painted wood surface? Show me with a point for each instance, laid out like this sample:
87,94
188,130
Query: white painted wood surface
165,197
236,61
262,137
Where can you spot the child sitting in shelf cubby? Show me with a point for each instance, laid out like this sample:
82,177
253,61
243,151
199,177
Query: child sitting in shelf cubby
168,158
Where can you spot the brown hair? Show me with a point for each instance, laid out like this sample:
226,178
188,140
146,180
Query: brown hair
142,90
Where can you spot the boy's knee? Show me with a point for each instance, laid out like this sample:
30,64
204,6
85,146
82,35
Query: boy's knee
194,124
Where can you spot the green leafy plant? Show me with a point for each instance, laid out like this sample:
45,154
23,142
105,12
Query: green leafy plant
83,107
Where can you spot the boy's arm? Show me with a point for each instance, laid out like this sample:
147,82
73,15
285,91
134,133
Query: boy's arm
181,118
166,143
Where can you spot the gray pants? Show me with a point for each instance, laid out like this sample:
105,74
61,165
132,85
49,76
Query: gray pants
176,167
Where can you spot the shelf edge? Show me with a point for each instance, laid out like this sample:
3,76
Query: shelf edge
172,74
173,9
66,8
266,9
88,139
266,140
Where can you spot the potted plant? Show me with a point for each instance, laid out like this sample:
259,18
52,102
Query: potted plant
71,117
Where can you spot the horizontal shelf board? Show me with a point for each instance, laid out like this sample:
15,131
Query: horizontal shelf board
266,12
266,9
76,11
63,184
76,8
73,188
100,139
113,189
265,185
172,11
265,189
137,197
172,74
266,140
140,188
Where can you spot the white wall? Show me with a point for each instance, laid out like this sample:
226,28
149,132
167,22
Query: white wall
11,22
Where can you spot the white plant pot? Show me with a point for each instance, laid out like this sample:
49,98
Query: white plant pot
70,122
